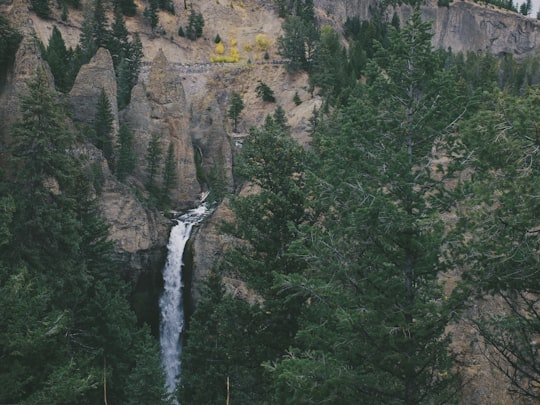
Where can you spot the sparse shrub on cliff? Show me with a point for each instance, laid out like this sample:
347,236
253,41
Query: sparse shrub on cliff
265,92
297,99
217,39
220,49
263,43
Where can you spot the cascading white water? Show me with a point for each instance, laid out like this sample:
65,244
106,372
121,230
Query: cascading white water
170,303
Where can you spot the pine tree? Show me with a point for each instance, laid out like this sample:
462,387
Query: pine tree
87,46
265,92
67,325
59,58
40,139
100,31
126,156
374,329
151,14
170,176
9,42
42,8
235,109
195,25
128,7
103,127
118,45
328,63
280,118
503,229
291,45
153,163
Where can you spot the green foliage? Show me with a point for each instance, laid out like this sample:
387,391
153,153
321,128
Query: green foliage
297,43
42,8
181,32
236,107
153,163
166,5
217,39
128,69
126,155
67,326
103,127
265,92
377,243
195,25
170,177
9,42
118,44
222,346
127,7
504,229
296,98
40,139
151,13
61,61
329,62
280,118
232,336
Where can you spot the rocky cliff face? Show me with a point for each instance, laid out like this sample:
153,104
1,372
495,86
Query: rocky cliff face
467,26
93,77
159,107
463,26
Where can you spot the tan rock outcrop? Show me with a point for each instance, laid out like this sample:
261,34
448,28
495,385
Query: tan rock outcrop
27,62
159,107
462,26
96,75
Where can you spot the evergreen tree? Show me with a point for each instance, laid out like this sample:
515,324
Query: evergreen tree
87,47
9,42
265,92
127,7
103,127
247,335
40,139
328,63
502,222
59,58
69,335
170,177
374,328
124,84
153,163
100,31
126,155
118,45
235,109
280,118
127,73
42,8
151,14
195,25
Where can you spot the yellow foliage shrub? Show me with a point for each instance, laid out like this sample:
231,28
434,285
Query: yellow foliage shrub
263,43
233,57
234,42
220,48
248,48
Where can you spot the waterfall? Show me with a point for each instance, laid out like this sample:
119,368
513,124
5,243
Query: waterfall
170,303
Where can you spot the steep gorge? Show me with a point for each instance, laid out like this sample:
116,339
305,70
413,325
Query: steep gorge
188,108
